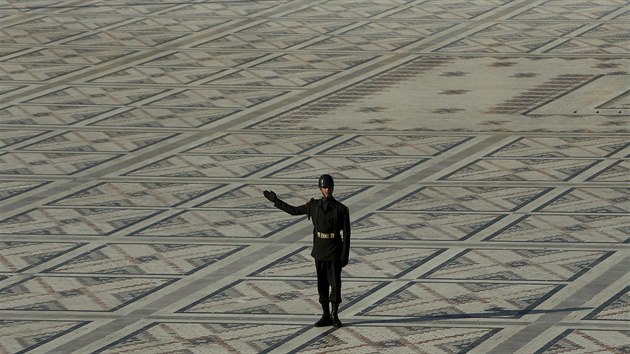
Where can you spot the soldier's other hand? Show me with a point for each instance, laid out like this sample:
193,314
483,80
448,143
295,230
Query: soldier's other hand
344,262
271,196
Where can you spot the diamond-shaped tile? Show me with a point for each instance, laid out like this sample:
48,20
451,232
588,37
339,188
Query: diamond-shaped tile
416,226
77,221
21,336
65,293
398,338
220,223
142,259
17,256
566,228
274,297
356,167
476,198
204,337
126,194
450,300
522,264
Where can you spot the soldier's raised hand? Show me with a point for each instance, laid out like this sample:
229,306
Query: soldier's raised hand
271,196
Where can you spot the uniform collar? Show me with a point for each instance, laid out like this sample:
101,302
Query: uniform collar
325,203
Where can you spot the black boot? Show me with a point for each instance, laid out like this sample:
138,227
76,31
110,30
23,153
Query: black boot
325,320
335,316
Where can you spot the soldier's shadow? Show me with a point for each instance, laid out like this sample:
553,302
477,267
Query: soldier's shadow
494,313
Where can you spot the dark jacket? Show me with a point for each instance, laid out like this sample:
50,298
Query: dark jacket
329,216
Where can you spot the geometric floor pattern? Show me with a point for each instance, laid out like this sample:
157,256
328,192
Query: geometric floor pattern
482,147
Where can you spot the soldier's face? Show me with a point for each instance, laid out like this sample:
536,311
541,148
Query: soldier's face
326,191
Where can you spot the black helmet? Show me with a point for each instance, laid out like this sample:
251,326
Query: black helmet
326,181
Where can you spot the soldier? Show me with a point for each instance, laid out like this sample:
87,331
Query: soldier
330,252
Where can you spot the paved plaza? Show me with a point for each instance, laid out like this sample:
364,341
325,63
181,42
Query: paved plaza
482,146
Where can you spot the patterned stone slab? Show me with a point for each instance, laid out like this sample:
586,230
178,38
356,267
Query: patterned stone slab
93,95
154,75
100,294
566,228
272,77
127,194
453,10
561,147
299,26
49,114
588,341
261,144
590,200
143,259
201,10
10,88
365,262
20,336
617,172
275,297
199,338
204,58
167,117
12,136
33,37
392,339
320,61
591,45
396,145
522,264
130,39
116,11
69,22
521,170
374,43
481,198
170,24
17,256
487,43
211,166
50,163
526,85
250,196
74,56
420,226
107,141
416,29
616,308
10,188
451,300
73,221
339,10
35,72
251,41
357,167
220,223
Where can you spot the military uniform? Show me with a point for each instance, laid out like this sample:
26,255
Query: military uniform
331,245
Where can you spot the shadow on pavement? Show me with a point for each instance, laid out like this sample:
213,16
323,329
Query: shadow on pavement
489,314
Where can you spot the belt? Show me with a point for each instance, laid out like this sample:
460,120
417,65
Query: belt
324,235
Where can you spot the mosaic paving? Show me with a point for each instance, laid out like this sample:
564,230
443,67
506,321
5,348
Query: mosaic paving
483,148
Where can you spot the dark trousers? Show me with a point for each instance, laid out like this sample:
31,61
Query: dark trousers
329,281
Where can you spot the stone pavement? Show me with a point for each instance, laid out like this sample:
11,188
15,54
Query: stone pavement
483,147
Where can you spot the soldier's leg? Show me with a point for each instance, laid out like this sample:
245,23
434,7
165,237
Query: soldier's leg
322,289
334,273
334,278
322,281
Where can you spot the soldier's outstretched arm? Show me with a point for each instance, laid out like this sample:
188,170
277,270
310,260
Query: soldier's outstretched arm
287,208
